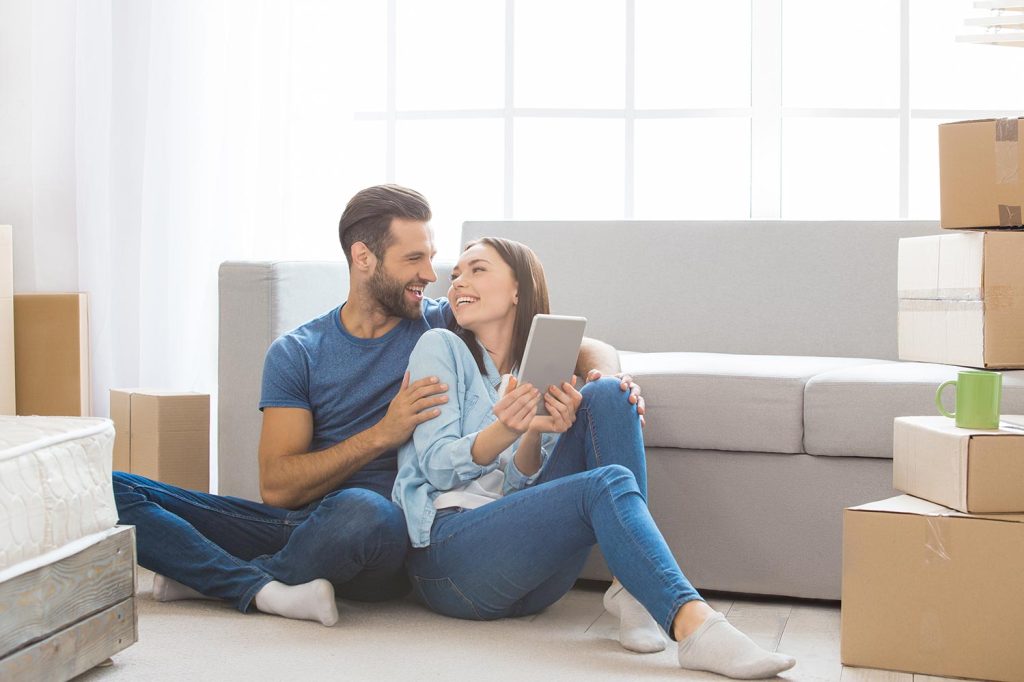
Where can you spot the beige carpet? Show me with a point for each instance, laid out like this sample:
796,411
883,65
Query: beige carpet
572,640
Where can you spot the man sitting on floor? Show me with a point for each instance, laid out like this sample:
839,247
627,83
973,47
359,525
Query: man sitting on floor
336,406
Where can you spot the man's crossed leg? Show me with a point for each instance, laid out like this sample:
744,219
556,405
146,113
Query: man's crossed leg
289,562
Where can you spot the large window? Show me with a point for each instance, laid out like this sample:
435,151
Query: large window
666,109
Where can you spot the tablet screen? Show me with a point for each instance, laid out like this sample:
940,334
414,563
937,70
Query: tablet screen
551,352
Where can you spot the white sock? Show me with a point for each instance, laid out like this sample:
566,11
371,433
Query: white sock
309,601
637,629
166,589
718,647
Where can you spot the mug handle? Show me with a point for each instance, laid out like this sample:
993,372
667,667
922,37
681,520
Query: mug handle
938,398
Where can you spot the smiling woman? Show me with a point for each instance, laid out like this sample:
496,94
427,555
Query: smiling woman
503,505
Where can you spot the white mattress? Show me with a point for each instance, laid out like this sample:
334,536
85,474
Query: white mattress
55,485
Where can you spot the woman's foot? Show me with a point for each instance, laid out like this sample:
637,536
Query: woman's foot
637,629
716,646
165,589
309,601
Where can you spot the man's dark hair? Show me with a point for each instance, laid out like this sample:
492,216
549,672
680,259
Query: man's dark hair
367,218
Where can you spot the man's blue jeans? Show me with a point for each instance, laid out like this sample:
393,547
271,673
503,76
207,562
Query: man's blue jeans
230,548
519,554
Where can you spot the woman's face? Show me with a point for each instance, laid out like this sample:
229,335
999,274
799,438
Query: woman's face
484,289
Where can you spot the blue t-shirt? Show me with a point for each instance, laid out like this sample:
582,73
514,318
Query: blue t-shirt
346,382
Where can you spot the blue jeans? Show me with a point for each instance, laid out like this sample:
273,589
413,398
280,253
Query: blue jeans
520,554
230,548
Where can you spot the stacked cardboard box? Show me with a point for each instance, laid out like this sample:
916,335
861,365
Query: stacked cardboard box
931,580
51,354
961,295
163,435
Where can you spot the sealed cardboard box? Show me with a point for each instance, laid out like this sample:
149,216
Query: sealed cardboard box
961,299
51,354
981,173
7,394
970,470
934,591
163,435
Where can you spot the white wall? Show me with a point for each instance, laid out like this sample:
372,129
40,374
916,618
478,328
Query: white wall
37,141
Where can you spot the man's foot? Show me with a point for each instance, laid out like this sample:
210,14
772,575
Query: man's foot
637,629
165,589
718,647
309,601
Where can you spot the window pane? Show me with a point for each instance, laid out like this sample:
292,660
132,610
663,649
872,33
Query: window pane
924,169
692,168
458,166
840,168
450,54
945,74
568,169
838,54
570,53
327,164
681,62
327,38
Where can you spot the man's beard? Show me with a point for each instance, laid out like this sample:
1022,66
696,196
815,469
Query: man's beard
389,294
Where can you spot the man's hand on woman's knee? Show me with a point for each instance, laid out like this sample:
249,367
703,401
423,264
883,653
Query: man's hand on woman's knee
626,384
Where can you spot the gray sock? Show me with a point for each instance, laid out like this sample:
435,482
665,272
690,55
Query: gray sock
637,630
166,589
309,601
718,647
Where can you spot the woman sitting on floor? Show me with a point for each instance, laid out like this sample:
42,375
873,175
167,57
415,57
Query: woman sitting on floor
503,506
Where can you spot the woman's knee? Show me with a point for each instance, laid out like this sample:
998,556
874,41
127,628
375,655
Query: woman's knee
605,393
613,477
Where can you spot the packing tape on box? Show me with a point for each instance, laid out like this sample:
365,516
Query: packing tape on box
1010,216
924,305
935,541
1008,167
947,294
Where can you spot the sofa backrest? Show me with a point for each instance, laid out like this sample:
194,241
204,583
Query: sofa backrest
788,288
753,287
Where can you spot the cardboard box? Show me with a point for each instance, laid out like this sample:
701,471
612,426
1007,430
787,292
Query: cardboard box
930,590
975,471
981,173
51,354
162,435
961,299
7,394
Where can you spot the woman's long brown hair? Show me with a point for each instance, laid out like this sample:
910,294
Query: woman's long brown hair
533,296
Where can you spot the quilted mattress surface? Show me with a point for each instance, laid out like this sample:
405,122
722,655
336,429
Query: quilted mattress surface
55,485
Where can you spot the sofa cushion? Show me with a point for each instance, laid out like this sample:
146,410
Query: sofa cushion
850,411
715,401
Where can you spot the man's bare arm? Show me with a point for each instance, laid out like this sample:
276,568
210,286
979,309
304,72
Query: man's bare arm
597,355
291,476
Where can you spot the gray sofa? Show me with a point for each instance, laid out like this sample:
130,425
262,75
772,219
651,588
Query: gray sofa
767,356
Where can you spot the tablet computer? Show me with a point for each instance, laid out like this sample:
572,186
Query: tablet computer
551,351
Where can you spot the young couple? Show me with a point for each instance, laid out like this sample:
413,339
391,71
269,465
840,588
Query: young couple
501,506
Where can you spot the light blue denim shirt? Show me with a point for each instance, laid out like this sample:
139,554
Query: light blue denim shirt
437,458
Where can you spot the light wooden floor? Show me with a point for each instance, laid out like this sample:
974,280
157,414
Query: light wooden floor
575,639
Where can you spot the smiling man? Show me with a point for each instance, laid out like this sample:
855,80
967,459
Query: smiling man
337,403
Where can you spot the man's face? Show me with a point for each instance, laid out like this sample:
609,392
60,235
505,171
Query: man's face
398,280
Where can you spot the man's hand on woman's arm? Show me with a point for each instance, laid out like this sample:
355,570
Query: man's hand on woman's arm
292,476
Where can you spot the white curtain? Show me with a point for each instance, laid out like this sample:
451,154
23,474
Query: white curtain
205,131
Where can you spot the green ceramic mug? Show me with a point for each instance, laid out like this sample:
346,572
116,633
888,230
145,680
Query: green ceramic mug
977,399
